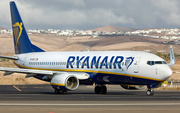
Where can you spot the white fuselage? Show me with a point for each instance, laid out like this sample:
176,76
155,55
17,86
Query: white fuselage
119,67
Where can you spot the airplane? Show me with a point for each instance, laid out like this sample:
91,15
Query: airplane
67,70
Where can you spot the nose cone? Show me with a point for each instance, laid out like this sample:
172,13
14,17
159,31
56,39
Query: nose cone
167,72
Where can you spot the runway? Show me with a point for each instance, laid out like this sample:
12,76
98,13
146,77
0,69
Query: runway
41,99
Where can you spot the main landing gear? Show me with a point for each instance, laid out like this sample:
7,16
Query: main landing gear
58,91
150,92
100,89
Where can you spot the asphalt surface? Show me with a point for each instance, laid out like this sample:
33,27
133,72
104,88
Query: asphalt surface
41,99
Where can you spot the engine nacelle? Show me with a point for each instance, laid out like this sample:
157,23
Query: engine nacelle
133,87
65,82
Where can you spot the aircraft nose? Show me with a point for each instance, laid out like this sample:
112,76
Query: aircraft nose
167,73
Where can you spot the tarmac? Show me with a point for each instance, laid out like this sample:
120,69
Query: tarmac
41,99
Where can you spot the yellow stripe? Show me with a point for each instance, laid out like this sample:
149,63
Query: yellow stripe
57,84
92,71
129,85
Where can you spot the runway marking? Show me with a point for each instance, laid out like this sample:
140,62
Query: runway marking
136,104
16,88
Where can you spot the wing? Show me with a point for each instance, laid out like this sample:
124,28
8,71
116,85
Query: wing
8,57
49,74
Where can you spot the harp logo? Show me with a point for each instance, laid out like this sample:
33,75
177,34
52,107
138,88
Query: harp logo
17,30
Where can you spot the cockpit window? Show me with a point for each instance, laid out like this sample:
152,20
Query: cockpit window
150,62
158,62
164,62
155,62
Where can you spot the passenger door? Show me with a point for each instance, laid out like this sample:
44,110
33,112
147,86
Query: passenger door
136,64
123,66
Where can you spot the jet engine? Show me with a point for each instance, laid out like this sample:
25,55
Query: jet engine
65,81
133,87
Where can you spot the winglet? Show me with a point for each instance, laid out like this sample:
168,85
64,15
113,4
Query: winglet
172,58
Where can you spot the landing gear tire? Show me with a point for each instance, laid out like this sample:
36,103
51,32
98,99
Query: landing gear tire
64,92
57,91
150,92
97,89
103,90
100,89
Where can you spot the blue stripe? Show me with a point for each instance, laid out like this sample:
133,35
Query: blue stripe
101,78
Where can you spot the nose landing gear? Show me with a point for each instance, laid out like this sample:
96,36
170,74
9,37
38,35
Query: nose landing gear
150,92
100,89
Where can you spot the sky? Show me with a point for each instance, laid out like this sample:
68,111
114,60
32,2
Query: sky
89,14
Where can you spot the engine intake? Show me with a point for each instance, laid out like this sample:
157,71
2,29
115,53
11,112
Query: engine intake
72,83
65,82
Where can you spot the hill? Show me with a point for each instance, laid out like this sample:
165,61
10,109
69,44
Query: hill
111,29
1,28
51,42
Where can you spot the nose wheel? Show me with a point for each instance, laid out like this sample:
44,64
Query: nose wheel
100,89
150,92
